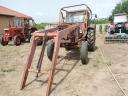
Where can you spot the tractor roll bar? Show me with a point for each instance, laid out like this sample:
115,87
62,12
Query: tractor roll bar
88,8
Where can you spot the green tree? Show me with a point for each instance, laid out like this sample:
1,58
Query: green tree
41,25
117,9
121,7
99,21
110,18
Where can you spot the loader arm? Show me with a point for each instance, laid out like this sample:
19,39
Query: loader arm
57,37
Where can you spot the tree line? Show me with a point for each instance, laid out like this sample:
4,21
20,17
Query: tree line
121,7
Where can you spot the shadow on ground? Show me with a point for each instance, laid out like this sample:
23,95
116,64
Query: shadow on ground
72,55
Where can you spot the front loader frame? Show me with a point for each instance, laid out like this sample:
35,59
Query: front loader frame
65,34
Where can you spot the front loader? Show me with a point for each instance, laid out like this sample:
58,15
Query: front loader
73,31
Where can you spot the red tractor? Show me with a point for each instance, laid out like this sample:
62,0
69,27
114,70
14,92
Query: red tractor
19,33
73,31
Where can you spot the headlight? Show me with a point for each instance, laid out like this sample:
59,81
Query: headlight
119,25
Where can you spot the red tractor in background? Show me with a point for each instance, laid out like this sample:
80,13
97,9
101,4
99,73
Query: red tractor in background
18,34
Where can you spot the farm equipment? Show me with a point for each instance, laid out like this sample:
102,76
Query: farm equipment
73,31
17,34
118,30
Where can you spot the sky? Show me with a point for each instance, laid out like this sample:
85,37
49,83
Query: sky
48,10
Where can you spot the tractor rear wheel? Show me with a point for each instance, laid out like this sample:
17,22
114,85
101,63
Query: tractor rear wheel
84,52
50,49
17,40
29,36
91,39
2,42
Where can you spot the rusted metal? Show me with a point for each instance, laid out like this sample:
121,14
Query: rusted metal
66,34
42,53
28,64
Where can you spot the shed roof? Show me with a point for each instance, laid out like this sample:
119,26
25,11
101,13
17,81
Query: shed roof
10,12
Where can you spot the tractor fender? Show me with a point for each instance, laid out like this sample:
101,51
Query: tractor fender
93,28
86,33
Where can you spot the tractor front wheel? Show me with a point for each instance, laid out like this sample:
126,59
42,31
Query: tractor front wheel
17,40
84,52
2,42
50,49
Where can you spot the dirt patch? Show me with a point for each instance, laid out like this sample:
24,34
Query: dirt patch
72,78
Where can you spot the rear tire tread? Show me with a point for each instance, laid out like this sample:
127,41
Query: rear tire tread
15,40
91,39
